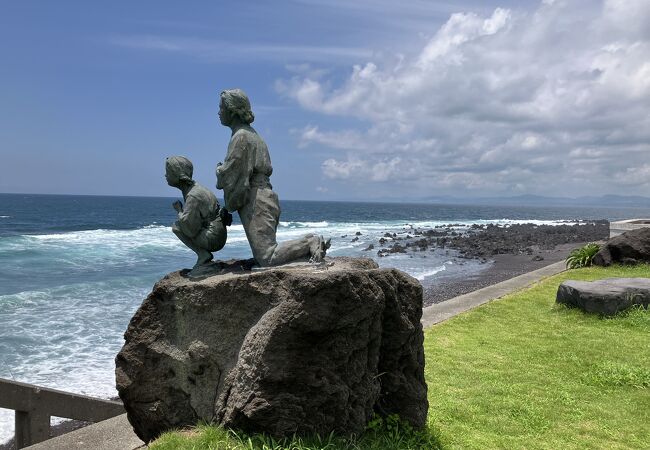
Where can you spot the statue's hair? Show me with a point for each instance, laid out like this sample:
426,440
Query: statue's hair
182,167
238,104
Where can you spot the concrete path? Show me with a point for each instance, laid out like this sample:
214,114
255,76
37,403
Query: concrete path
112,434
117,433
442,311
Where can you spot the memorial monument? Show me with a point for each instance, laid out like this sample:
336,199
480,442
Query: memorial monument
244,177
293,349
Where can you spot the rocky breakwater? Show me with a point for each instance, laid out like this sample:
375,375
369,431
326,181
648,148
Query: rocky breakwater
483,241
295,349
488,240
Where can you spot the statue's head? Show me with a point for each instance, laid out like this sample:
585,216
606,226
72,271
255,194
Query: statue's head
234,103
178,171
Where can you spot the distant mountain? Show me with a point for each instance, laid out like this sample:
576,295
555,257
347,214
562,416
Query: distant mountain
538,200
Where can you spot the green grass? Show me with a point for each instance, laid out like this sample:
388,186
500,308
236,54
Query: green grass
382,434
521,372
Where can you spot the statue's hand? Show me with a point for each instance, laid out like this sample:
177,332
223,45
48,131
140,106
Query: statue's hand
178,206
226,217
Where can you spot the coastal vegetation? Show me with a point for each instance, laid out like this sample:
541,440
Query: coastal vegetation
521,372
582,257
382,434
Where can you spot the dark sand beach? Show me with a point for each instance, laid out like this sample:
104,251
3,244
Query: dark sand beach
510,251
504,251
499,268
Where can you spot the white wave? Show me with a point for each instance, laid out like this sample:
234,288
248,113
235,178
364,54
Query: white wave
470,222
525,221
150,235
322,224
338,230
5,217
431,272
98,234
339,248
350,228
159,235
66,337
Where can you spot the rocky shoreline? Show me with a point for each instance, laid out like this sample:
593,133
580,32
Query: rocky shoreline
506,251
483,241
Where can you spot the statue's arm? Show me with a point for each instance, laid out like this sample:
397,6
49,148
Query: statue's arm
233,176
189,219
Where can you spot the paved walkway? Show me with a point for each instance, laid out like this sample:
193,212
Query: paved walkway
117,433
112,434
439,312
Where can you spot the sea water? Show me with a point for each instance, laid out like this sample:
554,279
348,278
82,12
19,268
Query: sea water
73,269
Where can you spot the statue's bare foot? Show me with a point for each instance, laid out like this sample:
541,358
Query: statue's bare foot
318,248
204,270
204,257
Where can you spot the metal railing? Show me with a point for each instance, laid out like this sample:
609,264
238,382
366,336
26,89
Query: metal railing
34,405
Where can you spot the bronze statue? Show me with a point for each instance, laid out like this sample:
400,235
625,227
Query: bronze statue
201,224
244,178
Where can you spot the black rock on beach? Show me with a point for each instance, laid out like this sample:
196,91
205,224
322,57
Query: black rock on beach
522,238
510,251
507,250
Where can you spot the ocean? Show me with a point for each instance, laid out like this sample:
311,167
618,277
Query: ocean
73,269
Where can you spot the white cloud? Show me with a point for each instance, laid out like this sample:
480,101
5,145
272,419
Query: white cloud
342,169
214,50
635,176
345,140
380,171
460,28
553,101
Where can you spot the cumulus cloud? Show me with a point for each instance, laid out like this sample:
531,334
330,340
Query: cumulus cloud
382,170
554,101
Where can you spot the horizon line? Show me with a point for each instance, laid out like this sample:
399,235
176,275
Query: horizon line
434,200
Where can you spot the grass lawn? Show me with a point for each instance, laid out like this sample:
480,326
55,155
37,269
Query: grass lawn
520,372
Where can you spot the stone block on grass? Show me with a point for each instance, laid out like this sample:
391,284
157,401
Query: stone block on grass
608,296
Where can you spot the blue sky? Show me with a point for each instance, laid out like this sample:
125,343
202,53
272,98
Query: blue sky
374,100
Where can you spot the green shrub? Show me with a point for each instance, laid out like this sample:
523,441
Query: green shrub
581,257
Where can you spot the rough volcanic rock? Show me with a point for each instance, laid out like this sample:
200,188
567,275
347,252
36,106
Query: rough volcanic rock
630,247
518,238
294,349
607,296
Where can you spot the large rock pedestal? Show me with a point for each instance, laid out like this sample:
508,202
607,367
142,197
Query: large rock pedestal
294,349
607,296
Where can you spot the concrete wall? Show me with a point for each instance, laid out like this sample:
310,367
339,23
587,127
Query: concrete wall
616,228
